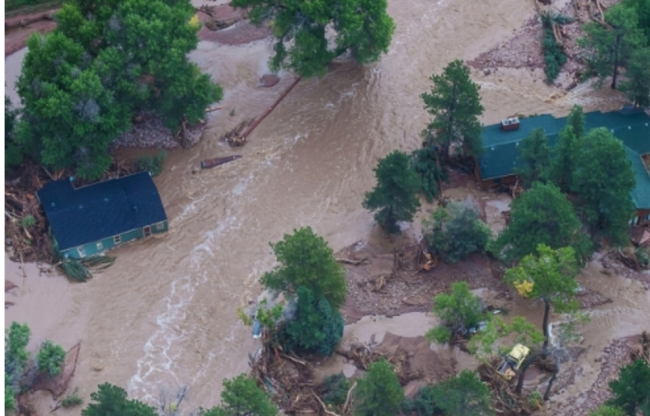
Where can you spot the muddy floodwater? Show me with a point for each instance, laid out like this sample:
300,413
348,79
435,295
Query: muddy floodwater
165,314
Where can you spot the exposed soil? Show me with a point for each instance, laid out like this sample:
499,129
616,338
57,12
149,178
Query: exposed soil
59,384
405,290
37,22
228,26
524,48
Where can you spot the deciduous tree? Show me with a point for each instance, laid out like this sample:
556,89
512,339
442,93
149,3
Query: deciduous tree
242,397
378,392
603,181
107,60
535,158
112,400
394,196
607,49
361,26
542,215
456,231
463,395
459,311
548,276
632,389
306,260
455,104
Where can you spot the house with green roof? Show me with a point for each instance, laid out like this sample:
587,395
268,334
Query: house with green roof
501,142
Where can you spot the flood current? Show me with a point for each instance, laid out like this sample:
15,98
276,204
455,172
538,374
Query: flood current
164,314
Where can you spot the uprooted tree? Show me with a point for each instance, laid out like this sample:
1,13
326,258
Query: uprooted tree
301,29
108,60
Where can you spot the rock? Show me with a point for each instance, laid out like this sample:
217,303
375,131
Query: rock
269,80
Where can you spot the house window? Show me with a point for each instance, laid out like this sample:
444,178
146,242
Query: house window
647,217
81,251
99,246
147,231
117,239
160,226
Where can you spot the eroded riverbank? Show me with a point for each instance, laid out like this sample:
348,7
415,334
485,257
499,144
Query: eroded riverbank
165,313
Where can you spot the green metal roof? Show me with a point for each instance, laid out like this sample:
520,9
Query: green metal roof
631,127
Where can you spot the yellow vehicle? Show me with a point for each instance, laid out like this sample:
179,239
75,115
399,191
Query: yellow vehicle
511,362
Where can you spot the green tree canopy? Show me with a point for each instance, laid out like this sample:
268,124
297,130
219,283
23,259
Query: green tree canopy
50,358
110,400
361,26
394,196
455,104
607,49
378,392
461,395
632,389
550,277
455,231
242,397
16,357
107,60
459,311
636,86
306,260
317,326
425,163
567,149
535,155
542,215
642,9
603,181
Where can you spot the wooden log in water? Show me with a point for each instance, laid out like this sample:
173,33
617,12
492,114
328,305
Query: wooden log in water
210,163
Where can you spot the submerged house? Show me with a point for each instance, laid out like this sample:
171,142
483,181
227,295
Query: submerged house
92,219
500,142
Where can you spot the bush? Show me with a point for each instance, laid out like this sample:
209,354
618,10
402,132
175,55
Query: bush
460,311
456,231
50,358
317,326
242,396
29,221
335,389
152,164
631,392
72,400
422,405
534,400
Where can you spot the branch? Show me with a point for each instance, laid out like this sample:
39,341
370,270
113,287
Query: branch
327,412
349,396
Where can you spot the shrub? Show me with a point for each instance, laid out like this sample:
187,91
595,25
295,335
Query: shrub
152,164
456,231
72,399
534,400
554,56
335,389
460,311
29,221
50,358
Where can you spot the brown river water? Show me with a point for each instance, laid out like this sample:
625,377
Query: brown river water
165,314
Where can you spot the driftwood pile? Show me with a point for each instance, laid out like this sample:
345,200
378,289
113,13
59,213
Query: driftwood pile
642,350
362,356
505,400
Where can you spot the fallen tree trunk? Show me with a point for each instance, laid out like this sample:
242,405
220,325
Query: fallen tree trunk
17,22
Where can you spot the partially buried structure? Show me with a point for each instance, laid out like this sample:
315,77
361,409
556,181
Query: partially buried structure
92,219
501,155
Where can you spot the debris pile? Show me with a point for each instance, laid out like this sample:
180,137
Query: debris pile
506,401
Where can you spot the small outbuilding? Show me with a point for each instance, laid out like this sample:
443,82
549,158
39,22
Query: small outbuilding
89,220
